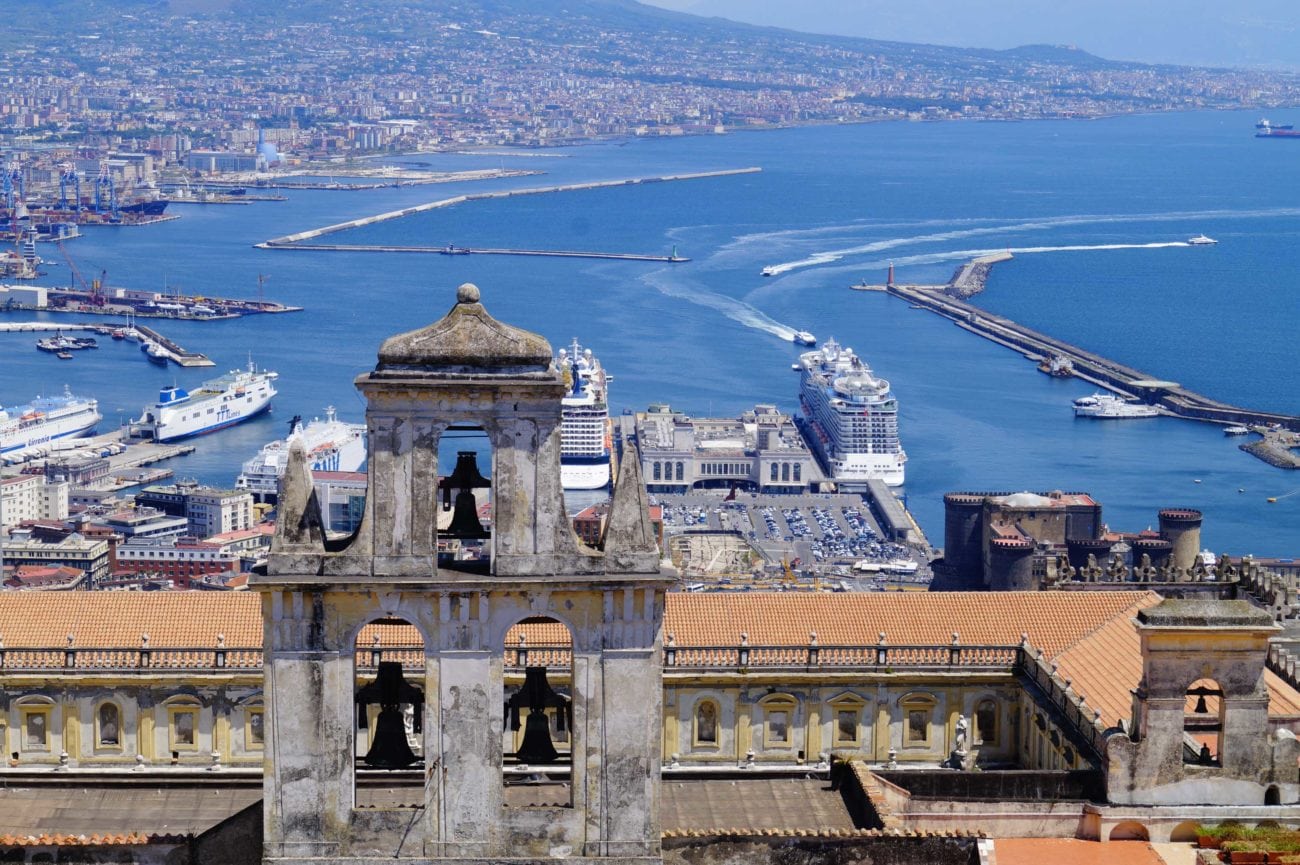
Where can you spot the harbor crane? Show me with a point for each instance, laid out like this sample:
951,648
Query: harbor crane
69,177
15,186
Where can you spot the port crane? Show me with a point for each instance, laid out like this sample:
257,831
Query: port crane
95,290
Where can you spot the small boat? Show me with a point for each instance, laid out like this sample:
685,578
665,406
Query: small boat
157,354
770,270
1236,430
1201,240
63,355
803,337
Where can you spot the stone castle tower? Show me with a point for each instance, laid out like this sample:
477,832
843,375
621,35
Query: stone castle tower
455,800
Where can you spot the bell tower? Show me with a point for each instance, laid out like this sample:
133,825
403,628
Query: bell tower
394,619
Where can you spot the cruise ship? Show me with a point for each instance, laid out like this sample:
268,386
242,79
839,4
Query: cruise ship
27,430
584,433
851,417
234,398
331,446
1106,406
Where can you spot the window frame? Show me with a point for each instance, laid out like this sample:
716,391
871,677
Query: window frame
913,704
27,711
99,743
173,713
977,731
697,741
783,704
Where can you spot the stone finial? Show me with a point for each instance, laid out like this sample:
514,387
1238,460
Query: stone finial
630,543
299,528
467,292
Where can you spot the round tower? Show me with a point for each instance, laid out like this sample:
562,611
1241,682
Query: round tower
1078,550
963,548
1158,549
1011,565
1182,528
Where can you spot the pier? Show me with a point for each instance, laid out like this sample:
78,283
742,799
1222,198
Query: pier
288,240
947,301
467,250
174,352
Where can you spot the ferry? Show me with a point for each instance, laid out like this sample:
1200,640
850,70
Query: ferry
234,398
803,337
27,430
1201,240
1108,406
771,270
851,418
584,426
331,446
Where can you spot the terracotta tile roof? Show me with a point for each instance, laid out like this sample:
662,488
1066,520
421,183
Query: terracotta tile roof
1106,665
1053,620
1071,851
117,619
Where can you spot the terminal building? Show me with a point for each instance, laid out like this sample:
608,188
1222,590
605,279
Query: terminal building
760,451
550,703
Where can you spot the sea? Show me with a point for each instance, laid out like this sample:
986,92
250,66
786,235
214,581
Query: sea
1095,212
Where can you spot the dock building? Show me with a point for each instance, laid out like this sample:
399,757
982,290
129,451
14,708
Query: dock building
760,451
549,703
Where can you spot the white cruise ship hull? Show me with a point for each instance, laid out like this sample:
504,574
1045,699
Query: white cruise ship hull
218,404
261,475
25,443
584,475
28,433
853,477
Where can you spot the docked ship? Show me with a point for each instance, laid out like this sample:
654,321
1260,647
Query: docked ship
331,446
1107,406
851,418
27,430
584,426
233,398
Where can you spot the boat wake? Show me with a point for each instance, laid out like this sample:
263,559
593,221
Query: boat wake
967,254
984,228
671,285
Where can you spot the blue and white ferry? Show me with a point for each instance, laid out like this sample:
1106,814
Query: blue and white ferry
234,398
26,431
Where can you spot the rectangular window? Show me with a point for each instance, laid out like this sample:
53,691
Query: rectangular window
184,729
778,728
256,737
918,726
36,729
846,727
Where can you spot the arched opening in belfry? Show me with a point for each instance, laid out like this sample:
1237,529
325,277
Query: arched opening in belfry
464,506
389,702
1203,724
538,736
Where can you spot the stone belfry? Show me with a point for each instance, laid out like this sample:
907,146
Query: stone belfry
466,370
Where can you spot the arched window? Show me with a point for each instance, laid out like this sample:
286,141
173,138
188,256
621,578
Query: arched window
658,469
785,472
1203,723
706,723
775,469
539,722
680,473
108,726
986,723
388,710
798,468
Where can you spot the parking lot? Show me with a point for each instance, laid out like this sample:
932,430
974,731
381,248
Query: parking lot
827,535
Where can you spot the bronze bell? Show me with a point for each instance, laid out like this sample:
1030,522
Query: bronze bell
537,696
389,748
464,479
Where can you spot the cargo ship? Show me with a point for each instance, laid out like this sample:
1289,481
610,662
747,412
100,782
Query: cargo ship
233,398
27,430
584,425
1269,130
331,446
850,417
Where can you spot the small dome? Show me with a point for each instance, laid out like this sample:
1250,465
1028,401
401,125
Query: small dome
467,339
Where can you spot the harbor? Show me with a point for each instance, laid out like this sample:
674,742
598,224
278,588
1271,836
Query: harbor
466,250
1172,398
173,351
290,240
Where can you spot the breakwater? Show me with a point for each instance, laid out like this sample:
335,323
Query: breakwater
179,355
291,239
1174,399
466,250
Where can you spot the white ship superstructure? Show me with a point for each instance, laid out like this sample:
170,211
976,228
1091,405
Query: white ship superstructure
852,418
331,446
217,404
26,431
584,434
1107,406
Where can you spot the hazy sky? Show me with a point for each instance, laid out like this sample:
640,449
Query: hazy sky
1203,32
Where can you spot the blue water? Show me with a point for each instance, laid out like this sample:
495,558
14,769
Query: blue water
832,205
